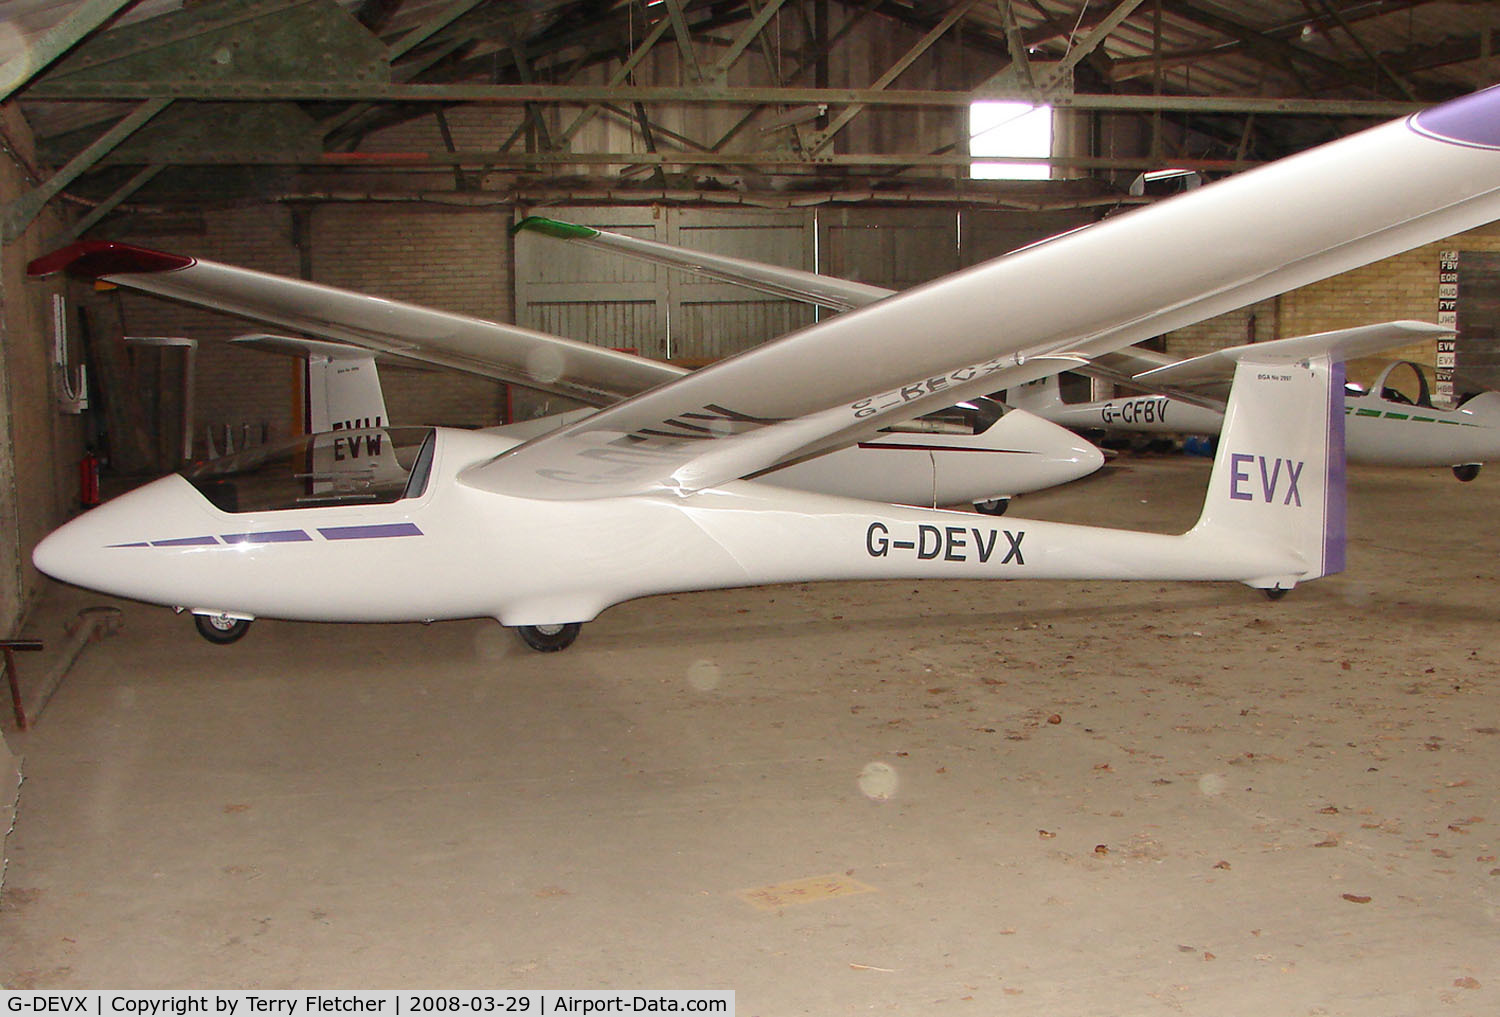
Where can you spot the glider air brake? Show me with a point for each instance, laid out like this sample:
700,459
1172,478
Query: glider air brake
656,492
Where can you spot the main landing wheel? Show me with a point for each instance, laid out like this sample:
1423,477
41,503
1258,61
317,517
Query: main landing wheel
549,638
992,507
1466,472
220,628
1275,593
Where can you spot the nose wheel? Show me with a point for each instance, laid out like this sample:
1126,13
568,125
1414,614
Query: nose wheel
221,628
549,638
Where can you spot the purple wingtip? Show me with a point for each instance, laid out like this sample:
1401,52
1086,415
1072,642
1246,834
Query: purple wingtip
1472,121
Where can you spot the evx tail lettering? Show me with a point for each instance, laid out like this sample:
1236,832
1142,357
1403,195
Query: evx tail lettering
1266,480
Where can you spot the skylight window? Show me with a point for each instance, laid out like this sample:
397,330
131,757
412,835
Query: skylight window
1014,130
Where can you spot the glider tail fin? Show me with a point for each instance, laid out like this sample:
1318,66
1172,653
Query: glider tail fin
343,383
1278,476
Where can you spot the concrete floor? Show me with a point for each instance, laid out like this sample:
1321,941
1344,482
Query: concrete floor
1030,798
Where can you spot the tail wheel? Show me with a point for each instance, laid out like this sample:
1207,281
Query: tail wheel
221,628
993,506
1466,472
549,638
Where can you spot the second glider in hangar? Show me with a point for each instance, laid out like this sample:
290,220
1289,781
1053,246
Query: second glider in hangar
1395,422
658,493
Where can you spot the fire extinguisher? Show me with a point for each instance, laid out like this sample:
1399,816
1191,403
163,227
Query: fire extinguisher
88,479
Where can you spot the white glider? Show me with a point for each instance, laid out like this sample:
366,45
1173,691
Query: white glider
649,495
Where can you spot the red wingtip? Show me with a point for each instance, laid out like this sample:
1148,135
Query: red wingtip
94,259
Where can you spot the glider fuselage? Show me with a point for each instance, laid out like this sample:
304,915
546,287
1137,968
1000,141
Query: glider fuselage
448,550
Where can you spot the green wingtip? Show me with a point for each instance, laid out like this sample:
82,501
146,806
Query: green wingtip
554,228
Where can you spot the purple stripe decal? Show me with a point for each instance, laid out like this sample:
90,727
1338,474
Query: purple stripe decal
1335,510
266,537
1473,121
138,543
186,542
366,532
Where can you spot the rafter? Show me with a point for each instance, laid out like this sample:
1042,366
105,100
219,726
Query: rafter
825,137
1370,55
21,211
1089,43
684,37
616,80
39,53
578,94
748,34
1133,67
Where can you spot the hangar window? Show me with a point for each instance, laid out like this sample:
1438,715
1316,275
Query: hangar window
370,466
1015,130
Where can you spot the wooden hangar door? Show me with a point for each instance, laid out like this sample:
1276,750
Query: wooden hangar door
623,303
891,247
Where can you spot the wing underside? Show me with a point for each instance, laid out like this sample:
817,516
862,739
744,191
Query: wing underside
591,374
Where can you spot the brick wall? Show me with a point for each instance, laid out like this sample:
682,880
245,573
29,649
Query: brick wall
455,260
234,386
1403,286
1255,323
39,446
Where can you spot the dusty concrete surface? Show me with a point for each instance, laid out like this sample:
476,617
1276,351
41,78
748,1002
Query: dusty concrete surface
1063,798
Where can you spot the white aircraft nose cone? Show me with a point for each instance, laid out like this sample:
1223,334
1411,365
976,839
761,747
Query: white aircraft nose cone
51,555
94,550
68,553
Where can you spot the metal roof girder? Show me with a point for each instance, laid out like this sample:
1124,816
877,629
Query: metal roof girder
109,204
615,80
719,72
53,43
226,41
825,137
20,212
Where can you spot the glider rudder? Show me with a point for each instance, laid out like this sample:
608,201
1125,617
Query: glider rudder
1278,477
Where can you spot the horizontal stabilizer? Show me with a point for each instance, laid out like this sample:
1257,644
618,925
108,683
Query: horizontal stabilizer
1340,345
296,346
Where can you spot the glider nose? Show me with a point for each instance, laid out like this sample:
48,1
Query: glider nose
1059,454
58,554
100,550
77,551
